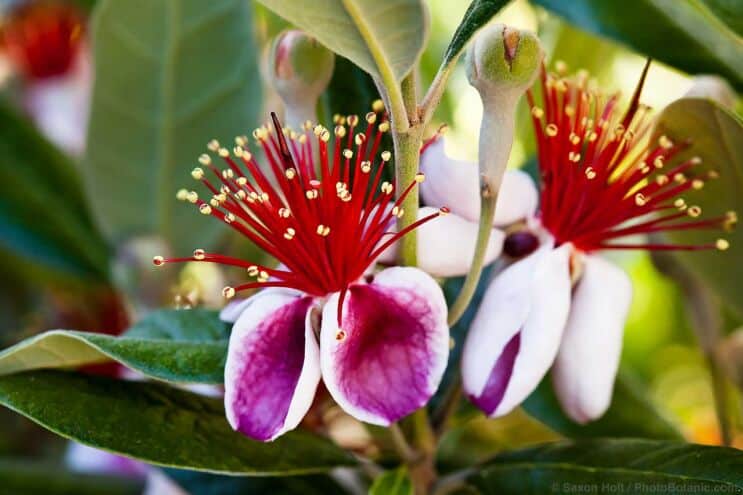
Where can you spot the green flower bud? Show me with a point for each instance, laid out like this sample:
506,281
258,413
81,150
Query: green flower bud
502,63
504,59
300,71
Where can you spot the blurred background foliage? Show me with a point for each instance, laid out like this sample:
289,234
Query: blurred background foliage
69,261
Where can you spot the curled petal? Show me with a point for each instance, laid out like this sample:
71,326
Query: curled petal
446,245
233,309
587,363
389,356
273,366
455,184
516,333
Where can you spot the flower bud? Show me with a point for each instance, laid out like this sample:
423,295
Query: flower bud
300,71
502,63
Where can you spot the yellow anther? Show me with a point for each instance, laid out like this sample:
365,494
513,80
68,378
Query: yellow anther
284,212
590,173
659,161
205,209
241,141
229,218
241,181
722,244
205,159
224,152
420,177
574,157
340,131
197,173
384,126
289,234
192,196
713,174
325,136
312,194
214,201
569,110
664,142
680,204
443,211
158,260
238,151
307,125
695,160
561,67
253,270
228,173
679,177
662,179
378,105
302,139
645,169
371,117
574,139
322,230
697,184
359,139
241,195
386,156
387,187
694,211
366,166
181,195
228,292
352,120
347,153
537,112
264,197
640,199
551,130
213,145
290,173
592,136
199,254
340,335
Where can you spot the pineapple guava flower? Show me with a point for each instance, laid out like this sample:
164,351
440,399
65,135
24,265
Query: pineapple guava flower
379,342
44,42
604,182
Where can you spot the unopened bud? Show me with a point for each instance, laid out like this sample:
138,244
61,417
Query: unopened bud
300,71
502,63
503,59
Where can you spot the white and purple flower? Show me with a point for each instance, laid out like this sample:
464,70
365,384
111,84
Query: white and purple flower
380,343
560,305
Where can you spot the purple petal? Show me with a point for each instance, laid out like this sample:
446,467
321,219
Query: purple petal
273,366
390,355
516,333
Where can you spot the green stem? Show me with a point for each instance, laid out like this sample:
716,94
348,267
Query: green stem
487,212
404,450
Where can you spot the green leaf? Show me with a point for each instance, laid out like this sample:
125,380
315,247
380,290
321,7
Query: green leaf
716,136
621,467
28,477
159,424
383,37
478,14
43,216
682,33
631,414
394,482
169,76
185,346
196,483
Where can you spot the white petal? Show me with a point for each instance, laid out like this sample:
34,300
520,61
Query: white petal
159,484
587,363
273,366
392,353
456,185
232,311
84,459
446,245
527,305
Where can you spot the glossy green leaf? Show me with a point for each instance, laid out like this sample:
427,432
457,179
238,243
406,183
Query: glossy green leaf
159,424
683,33
196,483
716,136
478,14
383,37
43,216
631,414
169,76
185,346
32,478
622,467
395,482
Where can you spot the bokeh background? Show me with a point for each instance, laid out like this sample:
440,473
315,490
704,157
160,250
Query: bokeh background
59,272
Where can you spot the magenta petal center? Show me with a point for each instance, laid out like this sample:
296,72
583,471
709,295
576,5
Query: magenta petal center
270,361
499,377
385,361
